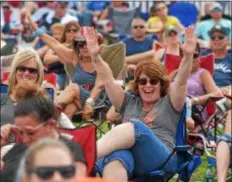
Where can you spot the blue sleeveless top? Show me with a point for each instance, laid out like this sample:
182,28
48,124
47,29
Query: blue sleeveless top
85,80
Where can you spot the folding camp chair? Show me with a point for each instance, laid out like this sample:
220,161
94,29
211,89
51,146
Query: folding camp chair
86,137
121,27
187,161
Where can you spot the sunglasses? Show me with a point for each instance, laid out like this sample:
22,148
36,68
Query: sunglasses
79,43
23,69
72,30
46,173
214,37
29,130
138,26
143,81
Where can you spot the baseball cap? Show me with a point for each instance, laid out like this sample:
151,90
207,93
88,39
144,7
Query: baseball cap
219,28
216,7
172,29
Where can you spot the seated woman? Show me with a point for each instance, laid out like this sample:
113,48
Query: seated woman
53,61
123,150
35,118
83,72
38,164
26,66
199,83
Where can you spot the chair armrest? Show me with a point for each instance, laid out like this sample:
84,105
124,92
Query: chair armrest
183,148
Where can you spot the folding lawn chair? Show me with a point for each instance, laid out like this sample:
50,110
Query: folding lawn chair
86,137
187,161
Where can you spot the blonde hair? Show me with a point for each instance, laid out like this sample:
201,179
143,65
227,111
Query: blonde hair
57,26
23,56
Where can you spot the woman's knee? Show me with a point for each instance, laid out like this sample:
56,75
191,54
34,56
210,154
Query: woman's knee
120,160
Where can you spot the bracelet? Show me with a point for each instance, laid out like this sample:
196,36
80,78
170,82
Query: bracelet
39,32
97,58
90,101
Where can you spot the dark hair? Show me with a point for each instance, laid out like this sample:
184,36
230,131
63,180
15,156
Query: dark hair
33,100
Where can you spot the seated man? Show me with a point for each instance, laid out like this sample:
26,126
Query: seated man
219,40
216,12
138,43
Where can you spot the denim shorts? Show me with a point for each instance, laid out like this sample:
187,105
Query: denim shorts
147,155
226,138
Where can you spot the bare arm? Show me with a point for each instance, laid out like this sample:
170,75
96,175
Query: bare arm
113,90
208,82
134,59
179,89
51,57
67,55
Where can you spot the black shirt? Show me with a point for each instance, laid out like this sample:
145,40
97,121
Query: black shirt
13,156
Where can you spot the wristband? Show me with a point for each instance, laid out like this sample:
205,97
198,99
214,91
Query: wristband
39,32
195,101
90,101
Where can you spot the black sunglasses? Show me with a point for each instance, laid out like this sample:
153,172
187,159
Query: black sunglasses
138,26
214,37
79,43
46,173
143,81
72,30
30,70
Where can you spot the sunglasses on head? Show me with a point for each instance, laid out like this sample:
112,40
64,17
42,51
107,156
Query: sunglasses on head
30,70
214,37
79,43
72,30
46,173
138,26
144,81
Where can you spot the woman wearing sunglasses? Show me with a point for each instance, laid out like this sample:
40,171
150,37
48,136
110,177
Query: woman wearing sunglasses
147,136
26,66
38,165
200,85
35,118
80,68
50,58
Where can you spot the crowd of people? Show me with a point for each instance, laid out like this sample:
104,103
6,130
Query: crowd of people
66,40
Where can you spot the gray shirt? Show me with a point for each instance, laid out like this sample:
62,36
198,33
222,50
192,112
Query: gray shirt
7,109
162,118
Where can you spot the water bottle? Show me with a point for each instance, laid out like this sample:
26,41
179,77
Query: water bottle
210,173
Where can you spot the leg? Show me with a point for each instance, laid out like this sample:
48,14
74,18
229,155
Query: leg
119,165
115,170
120,137
223,152
70,110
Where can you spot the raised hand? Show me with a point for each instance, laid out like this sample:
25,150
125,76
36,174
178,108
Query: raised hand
189,44
92,40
